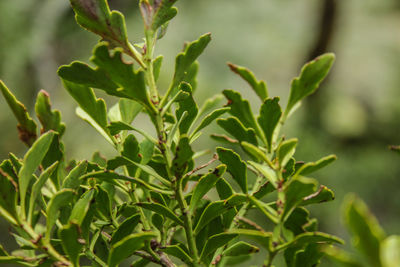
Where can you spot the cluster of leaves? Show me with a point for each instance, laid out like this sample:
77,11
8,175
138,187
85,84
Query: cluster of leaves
374,247
150,199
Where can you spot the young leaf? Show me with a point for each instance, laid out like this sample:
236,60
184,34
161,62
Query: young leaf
81,208
210,104
157,14
240,248
157,62
256,153
161,209
73,178
127,246
189,105
240,108
72,242
215,242
269,213
26,126
126,228
185,59
95,16
235,128
310,77
205,184
209,119
366,232
307,238
60,199
50,120
259,87
315,166
270,114
235,166
223,188
32,160
286,150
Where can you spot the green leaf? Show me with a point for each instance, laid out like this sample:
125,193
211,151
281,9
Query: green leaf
297,220
262,238
8,196
37,186
315,166
311,237
223,188
366,232
210,104
295,191
183,156
161,209
72,242
205,184
390,251
235,128
111,176
189,105
178,252
50,120
116,126
259,87
255,152
146,151
131,83
264,190
185,59
95,16
323,194
240,248
267,172
309,257
240,108
94,107
266,210
215,242
103,204
62,198
31,162
286,150
81,207
270,114
235,166
216,209
208,120
73,178
127,246
125,228
157,62
26,126
103,131
310,77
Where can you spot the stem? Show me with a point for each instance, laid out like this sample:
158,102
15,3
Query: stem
268,263
187,221
148,60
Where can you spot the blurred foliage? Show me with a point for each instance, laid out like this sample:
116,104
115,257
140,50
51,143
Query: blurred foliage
358,107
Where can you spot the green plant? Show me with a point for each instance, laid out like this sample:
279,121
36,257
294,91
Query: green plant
374,247
148,201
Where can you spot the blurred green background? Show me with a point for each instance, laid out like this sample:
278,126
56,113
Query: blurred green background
354,115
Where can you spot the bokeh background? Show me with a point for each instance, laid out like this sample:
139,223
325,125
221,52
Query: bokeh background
354,115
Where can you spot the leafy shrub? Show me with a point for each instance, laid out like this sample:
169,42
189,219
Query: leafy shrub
149,201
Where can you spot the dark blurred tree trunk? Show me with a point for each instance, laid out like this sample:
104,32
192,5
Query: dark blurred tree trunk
327,21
